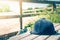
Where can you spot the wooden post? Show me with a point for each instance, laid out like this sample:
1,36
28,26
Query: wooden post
20,3
54,6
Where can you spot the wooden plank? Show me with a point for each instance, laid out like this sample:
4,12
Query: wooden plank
30,37
57,28
56,24
59,32
54,37
17,37
20,4
42,37
18,16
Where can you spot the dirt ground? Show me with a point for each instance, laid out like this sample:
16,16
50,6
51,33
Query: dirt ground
12,25
9,25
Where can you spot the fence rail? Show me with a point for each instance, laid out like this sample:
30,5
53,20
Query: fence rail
18,16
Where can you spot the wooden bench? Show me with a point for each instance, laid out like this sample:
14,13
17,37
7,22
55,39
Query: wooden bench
28,36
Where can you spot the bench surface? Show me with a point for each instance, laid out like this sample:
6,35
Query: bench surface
28,36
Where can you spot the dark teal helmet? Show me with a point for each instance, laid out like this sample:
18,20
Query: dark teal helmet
43,27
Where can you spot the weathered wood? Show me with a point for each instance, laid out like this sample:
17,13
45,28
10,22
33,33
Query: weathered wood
28,36
57,28
42,37
20,2
18,37
54,37
56,24
18,16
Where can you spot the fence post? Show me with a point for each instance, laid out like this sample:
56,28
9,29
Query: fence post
54,6
20,3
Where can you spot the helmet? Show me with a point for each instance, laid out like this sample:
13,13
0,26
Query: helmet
43,27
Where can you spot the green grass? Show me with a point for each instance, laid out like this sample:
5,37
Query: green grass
54,17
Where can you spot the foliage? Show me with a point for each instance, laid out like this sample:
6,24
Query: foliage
58,9
29,8
28,11
55,17
29,25
48,9
5,8
50,5
37,8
